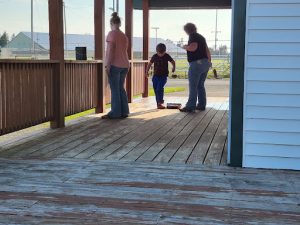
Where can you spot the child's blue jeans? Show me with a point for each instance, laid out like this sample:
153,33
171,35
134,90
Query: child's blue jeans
159,83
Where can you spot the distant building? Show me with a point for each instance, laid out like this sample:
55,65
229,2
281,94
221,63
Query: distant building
22,44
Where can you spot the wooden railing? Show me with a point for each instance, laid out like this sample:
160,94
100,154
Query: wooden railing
27,90
138,77
26,94
81,86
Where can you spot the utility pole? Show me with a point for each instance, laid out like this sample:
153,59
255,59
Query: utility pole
177,48
156,29
216,31
32,37
65,23
117,5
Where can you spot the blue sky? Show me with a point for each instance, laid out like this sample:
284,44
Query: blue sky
15,17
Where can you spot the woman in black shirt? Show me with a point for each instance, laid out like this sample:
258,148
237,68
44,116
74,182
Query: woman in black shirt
199,59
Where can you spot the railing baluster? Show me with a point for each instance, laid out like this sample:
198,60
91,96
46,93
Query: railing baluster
25,94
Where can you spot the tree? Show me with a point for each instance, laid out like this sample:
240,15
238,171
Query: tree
12,36
212,51
4,39
223,49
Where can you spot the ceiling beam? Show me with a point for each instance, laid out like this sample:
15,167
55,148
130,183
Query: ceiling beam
186,4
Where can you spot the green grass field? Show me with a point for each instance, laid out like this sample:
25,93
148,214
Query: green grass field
221,65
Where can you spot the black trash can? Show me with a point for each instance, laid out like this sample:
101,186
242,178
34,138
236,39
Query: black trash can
80,53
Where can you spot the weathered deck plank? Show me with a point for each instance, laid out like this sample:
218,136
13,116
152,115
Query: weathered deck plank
161,117
201,149
46,135
183,153
141,135
225,153
105,192
89,149
147,135
168,152
155,149
214,155
137,151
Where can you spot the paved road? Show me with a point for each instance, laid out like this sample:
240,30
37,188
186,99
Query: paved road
214,88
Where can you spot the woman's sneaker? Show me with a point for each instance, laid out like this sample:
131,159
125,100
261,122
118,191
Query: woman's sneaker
186,110
200,108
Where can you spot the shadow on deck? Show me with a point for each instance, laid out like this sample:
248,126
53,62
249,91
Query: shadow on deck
148,135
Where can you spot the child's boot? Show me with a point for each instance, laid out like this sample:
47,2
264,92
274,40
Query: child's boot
160,106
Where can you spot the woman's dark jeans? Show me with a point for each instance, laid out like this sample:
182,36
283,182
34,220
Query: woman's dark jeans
119,99
197,75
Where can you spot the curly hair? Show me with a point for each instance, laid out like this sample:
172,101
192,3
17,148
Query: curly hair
190,28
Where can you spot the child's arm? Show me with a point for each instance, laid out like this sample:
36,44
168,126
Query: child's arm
173,66
172,61
148,68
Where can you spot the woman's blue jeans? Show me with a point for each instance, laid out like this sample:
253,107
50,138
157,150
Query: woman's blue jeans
197,75
119,99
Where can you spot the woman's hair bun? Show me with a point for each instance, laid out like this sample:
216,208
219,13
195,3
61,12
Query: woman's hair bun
114,14
115,19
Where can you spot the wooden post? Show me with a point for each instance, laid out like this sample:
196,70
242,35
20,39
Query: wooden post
56,33
145,43
237,84
128,31
99,21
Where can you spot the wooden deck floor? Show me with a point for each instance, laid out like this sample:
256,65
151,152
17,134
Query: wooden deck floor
69,191
148,135
84,174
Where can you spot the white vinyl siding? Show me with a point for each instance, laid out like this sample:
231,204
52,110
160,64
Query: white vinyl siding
272,85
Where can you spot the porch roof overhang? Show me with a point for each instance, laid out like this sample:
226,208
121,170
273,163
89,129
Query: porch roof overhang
184,4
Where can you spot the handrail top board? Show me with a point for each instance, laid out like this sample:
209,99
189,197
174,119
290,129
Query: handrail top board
139,61
28,61
47,61
66,61
83,61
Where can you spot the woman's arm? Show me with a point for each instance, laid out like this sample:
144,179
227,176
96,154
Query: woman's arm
208,53
109,55
191,47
